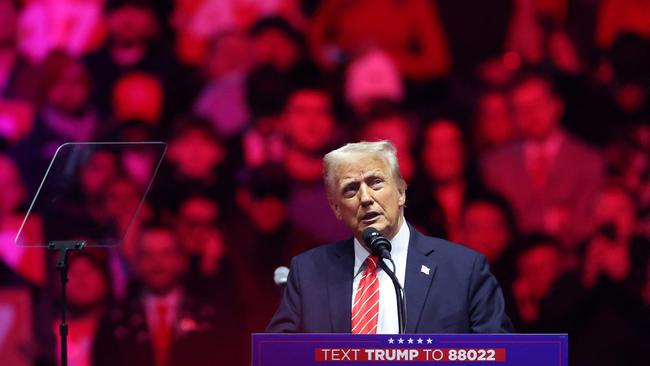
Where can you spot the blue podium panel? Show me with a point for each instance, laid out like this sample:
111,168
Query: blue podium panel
387,349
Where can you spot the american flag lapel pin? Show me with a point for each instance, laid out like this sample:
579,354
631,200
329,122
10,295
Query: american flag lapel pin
425,270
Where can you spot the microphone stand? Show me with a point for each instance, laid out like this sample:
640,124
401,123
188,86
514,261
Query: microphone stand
399,293
63,247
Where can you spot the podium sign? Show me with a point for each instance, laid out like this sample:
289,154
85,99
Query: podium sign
392,349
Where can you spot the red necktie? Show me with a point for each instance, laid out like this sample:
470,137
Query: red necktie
162,335
539,169
365,309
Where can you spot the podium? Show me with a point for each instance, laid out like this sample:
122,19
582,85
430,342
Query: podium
405,349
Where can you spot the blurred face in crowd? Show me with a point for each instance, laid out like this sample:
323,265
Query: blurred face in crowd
196,154
100,168
308,119
87,287
267,213
486,229
131,25
273,46
159,261
443,153
12,191
197,218
539,268
396,130
122,199
138,96
228,53
615,206
536,110
366,194
495,125
71,89
8,15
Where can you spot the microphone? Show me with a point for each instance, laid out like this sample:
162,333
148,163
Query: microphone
381,247
378,245
280,276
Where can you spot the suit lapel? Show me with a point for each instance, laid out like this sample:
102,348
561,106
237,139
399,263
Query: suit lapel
339,287
417,282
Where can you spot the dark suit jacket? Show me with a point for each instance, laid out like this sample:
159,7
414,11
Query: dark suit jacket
459,295
205,336
575,177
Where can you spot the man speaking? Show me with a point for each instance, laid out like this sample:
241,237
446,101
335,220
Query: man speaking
343,287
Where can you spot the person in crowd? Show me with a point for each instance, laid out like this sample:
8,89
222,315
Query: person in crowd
538,268
493,126
263,142
549,177
446,180
66,114
261,238
222,99
197,227
162,324
309,126
489,227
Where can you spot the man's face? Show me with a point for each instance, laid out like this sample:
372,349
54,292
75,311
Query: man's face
196,155
535,109
486,230
615,206
309,120
267,213
365,194
71,90
88,287
274,47
196,221
443,154
131,24
159,261
495,124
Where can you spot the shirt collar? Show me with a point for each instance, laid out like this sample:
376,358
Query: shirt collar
171,299
399,246
549,147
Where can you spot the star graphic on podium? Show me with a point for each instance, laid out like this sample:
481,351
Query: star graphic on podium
429,340
391,340
410,340
419,340
400,341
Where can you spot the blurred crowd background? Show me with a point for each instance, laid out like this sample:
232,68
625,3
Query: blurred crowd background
522,129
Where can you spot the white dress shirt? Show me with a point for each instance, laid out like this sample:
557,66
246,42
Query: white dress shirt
387,322
173,302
